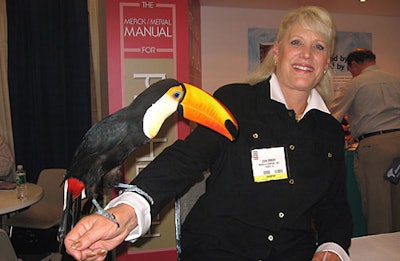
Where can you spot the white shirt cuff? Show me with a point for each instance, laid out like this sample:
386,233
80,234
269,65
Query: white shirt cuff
142,209
335,248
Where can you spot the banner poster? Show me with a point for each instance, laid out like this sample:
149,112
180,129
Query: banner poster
147,41
261,40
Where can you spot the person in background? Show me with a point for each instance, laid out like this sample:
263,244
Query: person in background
372,101
294,208
7,165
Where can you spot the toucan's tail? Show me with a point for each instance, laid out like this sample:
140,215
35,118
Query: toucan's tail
71,215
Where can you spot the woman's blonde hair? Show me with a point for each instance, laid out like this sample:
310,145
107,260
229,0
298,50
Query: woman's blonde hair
315,19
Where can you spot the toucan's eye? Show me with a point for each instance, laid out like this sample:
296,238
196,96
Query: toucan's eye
177,94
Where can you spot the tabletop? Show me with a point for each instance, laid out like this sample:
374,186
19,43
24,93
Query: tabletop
10,203
376,247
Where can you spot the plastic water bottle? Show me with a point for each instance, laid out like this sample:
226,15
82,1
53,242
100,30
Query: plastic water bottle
21,182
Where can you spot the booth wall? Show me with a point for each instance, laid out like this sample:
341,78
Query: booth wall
224,40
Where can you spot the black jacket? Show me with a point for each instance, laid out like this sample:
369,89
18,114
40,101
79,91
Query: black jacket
257,221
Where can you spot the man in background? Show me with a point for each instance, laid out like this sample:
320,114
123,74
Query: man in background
372,101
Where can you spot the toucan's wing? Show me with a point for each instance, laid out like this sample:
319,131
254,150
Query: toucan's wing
104,135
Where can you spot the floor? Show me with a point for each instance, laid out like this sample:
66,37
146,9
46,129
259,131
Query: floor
36,244
44,257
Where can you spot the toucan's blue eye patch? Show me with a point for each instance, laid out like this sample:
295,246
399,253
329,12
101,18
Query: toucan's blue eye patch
177,94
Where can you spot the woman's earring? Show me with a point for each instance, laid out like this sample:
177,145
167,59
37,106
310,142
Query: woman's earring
275,62
324,71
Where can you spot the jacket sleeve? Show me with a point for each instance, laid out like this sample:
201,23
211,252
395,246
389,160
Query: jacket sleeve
180,166
332,215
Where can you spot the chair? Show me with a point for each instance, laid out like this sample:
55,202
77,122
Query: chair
6,248
49,210
184,204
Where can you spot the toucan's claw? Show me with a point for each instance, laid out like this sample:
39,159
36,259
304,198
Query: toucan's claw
109,215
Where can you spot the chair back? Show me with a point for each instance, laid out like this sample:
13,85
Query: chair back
6,249
50,180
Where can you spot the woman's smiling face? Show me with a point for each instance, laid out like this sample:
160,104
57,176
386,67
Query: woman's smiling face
302,57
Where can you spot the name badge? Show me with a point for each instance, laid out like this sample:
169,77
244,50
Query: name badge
269,164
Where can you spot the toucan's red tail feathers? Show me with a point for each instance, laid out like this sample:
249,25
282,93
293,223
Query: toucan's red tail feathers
75,187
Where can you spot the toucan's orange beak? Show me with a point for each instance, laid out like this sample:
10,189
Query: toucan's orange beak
203,108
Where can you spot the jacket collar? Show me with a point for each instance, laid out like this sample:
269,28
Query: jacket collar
315,100
270,99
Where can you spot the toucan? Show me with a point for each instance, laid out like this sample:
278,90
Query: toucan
110,141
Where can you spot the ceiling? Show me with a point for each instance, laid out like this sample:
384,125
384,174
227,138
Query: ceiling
370,7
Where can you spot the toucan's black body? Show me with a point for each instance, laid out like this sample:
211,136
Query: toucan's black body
109,142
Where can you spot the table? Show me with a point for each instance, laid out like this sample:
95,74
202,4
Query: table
10,203
376,247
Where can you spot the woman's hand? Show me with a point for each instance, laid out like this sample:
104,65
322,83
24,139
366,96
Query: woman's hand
93,236
325,256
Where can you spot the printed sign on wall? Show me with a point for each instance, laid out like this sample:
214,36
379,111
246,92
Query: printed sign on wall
148,30
147,42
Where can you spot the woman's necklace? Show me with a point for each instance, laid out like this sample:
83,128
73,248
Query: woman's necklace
298,116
